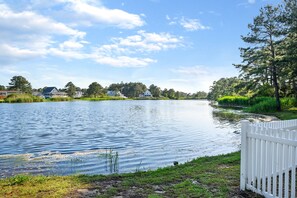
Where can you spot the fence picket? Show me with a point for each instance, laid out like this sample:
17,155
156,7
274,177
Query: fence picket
293,173
280,168
286,165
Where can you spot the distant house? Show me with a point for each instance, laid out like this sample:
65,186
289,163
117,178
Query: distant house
115,93
78,94
38,94
53,92
5,93
147,93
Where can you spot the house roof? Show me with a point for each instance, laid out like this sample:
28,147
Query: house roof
49,89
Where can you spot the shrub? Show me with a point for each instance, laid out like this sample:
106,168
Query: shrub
257,104
288,103
267,105
234,101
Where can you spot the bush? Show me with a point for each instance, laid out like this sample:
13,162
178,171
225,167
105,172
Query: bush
267,105
288,103
234,101
257,104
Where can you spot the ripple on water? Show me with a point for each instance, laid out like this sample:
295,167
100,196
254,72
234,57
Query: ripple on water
106,137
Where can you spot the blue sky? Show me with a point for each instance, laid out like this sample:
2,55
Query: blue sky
184,45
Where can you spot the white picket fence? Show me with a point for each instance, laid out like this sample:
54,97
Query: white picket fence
268,158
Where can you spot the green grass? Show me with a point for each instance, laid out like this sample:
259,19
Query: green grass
22,98
216,176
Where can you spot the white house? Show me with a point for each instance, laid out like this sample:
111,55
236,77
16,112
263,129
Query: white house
147,93
53,92
78,94
115,93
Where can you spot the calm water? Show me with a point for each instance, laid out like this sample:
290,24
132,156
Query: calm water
109,136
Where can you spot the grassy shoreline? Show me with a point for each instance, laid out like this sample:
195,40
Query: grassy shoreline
216,176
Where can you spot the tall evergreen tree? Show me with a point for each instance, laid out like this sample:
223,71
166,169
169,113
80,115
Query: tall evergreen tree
20,83
261,60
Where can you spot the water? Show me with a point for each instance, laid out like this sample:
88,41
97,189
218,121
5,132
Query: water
109,136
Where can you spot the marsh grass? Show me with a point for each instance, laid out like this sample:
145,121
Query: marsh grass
22,98
257,104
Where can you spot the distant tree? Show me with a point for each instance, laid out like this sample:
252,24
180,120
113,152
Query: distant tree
2,87
177,95
171,94
19,83
133,89
155,90
95,90
70,89
224,87
165,93
200,95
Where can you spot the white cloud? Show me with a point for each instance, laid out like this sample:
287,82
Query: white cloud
29,22
27,34
13,54
192,24
73,44
142,42
251,1
187,24
102,15
120,52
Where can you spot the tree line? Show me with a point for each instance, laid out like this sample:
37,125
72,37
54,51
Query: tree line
94,90
269,62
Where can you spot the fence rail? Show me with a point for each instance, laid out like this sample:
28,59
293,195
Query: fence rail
268,158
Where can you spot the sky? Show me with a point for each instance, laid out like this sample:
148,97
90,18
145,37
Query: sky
180,44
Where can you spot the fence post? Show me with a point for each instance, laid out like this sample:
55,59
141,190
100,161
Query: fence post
243,157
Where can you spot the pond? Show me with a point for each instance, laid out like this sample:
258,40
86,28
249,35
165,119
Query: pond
104,137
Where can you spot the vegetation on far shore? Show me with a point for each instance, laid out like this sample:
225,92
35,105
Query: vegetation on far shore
27,98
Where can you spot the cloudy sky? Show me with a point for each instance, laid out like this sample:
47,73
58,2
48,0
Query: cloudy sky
180,44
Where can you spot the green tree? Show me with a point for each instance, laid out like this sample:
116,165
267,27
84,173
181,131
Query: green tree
171,94
225,87
289,18
165,93
2,87
19,83
155,90
70,89
201,95
95,90
261,58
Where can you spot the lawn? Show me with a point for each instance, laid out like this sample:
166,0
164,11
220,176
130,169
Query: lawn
216,176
